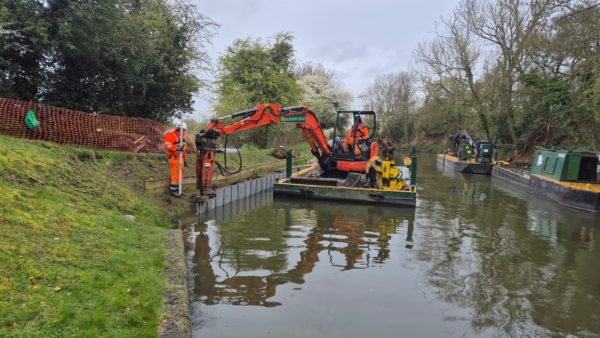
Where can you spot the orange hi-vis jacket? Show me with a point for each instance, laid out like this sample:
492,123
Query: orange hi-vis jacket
171,138
360,131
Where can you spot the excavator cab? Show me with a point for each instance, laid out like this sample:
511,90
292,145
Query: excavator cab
485,151
353,139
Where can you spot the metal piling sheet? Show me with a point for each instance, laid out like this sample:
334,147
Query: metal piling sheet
219,197
226,194
239,192
235,192
211,203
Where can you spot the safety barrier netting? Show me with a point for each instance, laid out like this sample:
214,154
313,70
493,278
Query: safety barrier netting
73,127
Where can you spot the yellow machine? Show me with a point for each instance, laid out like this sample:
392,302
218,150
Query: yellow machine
388,177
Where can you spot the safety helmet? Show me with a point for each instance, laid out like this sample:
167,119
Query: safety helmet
357,118
181,125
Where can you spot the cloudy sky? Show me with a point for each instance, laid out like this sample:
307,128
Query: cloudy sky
358,39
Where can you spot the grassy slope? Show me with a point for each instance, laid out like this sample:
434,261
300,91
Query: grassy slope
71,262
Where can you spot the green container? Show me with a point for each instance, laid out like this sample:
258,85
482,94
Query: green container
549,163
562,165
30,120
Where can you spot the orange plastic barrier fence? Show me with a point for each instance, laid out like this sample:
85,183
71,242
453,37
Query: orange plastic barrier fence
73,127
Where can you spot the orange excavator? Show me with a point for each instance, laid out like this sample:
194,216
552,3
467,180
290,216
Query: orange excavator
330,155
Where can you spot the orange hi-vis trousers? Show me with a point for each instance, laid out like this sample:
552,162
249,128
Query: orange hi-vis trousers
174,164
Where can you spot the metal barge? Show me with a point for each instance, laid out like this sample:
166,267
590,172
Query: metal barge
313,183
567,177
468,156
470,166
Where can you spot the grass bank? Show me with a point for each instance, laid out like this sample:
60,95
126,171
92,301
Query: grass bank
81,246
252,155
73,262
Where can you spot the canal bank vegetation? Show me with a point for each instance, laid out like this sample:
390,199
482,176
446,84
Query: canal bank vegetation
252,155
263,71
520,73
117,57
81,247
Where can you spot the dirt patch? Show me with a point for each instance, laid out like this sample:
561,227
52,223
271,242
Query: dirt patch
279,153
85,156
521,160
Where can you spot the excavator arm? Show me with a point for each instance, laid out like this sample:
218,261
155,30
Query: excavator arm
313,134
261,115
463,135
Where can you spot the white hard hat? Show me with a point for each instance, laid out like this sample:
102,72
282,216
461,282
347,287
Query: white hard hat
181,125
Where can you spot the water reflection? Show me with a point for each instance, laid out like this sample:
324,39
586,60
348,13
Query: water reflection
520,263
551,220
487,260
242,259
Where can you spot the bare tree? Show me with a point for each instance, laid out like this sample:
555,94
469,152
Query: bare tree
393,97
452,57
509,26
506,29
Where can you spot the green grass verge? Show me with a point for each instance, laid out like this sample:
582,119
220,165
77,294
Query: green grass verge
252,155
71,262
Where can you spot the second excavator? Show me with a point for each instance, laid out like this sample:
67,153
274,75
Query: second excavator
468,156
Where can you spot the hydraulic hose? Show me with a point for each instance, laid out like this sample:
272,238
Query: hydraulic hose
223,168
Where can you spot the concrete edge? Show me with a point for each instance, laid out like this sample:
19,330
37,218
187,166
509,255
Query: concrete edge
176,321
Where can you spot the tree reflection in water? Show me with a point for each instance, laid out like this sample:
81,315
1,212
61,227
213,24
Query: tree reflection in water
519,263
487,261
242,261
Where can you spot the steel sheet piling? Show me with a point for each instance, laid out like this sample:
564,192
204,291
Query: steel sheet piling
238,192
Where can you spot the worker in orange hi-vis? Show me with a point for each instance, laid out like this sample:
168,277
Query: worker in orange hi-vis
175,146
357,133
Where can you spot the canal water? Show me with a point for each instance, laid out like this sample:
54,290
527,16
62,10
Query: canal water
474,258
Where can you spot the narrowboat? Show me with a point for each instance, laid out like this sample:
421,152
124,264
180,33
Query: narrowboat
569,177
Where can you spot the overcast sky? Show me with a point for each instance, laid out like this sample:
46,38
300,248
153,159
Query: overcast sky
357,39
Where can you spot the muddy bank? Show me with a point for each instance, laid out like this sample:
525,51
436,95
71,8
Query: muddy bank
175,322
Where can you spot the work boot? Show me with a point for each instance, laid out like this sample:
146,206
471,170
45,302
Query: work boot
176,194
174,188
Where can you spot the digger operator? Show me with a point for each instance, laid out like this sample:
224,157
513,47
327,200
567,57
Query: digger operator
357,133
175,147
